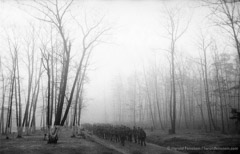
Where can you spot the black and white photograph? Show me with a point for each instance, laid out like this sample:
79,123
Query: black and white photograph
119,76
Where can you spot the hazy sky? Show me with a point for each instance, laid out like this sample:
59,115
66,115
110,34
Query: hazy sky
136,36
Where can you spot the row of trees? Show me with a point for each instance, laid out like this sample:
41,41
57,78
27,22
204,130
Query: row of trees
144,98
194,92
55,70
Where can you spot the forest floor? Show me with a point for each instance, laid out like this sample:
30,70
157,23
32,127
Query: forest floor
196,142
158,142
34,144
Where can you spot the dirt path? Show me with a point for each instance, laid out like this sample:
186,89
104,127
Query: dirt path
132,148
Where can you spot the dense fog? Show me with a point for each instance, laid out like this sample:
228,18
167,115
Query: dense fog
147,62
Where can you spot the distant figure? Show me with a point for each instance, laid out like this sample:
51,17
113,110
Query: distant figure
138,135
135,134
142,137
129,134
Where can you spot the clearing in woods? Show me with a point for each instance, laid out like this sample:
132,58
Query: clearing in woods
34,144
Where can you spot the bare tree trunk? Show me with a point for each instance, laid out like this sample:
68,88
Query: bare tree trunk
19,128
192,113
171,109
33,121
201,110
52,82
46,57
80,107
173,90
29,91
207,93
3,100
75,109
157,99
11,92
140,101
43,115
181,106
184,107
16,103
203,45
12,87
174,36
56,88
216,63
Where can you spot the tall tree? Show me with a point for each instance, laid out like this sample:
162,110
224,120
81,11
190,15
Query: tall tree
13,49
174,34
203,46
30,51
219,89
3,98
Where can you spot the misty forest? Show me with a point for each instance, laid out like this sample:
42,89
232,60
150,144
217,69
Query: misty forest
119,76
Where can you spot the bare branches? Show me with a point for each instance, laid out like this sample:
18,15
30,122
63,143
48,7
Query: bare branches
226,15
87,32
174,32
174,28
86,52
50,10
65,9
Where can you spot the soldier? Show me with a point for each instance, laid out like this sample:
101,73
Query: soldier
129,134
138,135
134,132
142,137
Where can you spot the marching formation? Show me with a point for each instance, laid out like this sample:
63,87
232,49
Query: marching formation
118,133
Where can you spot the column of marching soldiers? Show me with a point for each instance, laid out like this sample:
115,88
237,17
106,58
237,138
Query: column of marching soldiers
118,133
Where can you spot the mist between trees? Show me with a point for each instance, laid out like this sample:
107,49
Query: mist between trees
44,72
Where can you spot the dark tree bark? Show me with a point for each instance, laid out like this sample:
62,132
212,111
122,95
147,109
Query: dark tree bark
3,99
